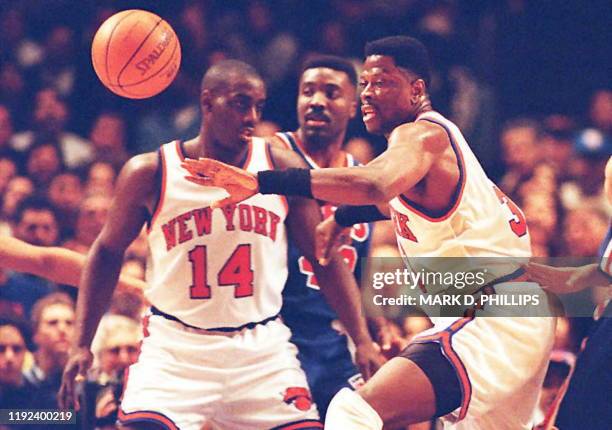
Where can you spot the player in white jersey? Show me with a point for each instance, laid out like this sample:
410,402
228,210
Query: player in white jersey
477,373
215,351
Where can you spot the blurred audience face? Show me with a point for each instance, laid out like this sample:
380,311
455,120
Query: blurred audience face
100,179
66,191
91,219
59,44
37,227
519,148
12,355
540,209
50,113
584,230
17,189
6,127
119,352
601,110
55,329
108,132
8,170
43,163
326,103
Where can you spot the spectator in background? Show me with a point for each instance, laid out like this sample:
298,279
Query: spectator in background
52,322
6,131
17,189
65,192
8,170
13,92
15,392
92,215
115,347
36,224
100,179
556,142
49,120
43,161
108,136
519,152
584,229
57,70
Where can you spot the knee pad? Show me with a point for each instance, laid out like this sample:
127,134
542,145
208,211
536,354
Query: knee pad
348,410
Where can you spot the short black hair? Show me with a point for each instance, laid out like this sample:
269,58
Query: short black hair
21,324
407,52
219,73
331,62
36,203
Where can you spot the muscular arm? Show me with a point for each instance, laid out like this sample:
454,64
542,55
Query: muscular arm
337,283
409,156
126,217
59,265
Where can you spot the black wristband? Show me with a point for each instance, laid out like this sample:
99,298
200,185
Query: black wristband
348,216
290,182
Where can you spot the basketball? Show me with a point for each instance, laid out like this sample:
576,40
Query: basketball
136,54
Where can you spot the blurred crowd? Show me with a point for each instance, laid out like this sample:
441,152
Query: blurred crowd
542,129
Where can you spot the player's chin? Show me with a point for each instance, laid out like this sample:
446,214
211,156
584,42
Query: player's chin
373,126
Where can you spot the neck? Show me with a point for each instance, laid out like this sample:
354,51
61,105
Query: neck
325,155
423,105
206,146
50,362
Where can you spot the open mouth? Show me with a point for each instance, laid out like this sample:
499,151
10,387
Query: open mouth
368,112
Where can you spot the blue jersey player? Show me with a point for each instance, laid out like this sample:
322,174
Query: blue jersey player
326,103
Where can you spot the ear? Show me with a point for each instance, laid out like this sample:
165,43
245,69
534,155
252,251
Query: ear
418,88
205,100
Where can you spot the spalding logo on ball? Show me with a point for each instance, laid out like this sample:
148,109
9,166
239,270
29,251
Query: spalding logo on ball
136,54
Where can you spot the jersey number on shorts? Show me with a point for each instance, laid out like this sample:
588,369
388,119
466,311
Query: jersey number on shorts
518,224
348,252
236,272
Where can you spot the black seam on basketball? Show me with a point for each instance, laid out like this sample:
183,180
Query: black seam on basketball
110,39
136,52
176,44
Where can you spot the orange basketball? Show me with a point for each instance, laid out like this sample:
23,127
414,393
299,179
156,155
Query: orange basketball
136,54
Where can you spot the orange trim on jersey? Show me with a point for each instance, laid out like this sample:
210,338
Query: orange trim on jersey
150,416
444,338
462,177
162,192
307,424
305,154
271,166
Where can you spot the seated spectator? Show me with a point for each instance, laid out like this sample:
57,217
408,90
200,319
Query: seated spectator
53,327
90,220
17,189
584,229
43,161
15,391
65,193
49,120
8,170
100,179
108,136
520,153
36,224
115,347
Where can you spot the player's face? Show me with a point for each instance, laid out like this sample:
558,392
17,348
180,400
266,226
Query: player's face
326,103
235,110
385,94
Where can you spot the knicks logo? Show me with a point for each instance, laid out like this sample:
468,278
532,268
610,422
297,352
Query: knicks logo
299,397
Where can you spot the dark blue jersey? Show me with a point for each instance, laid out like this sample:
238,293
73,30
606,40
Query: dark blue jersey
305,310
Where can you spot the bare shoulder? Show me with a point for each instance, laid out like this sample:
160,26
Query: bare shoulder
138,174
432,136
283,158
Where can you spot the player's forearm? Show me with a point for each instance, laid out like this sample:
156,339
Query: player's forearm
342,293
350,186
95,290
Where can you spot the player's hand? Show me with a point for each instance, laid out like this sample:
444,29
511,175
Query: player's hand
368,358
328,236
559,280
75,372
239,183
389,341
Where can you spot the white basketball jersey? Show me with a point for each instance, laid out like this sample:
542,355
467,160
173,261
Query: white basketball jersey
216,268
481,222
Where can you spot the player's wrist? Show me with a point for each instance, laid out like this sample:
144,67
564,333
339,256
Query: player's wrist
289,182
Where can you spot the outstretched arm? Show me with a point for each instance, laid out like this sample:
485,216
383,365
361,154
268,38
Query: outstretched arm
336,281
59,265
126,217
408,158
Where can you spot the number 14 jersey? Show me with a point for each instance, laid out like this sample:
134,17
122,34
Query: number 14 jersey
216,268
